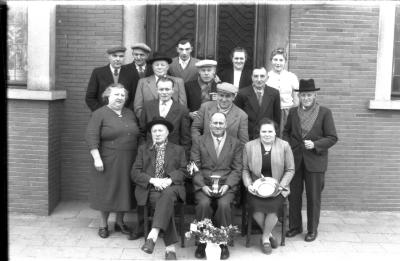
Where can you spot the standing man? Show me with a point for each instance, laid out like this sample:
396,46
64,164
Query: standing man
216,153
237,74
204,88
236,119
259,101
147,88
310,131
102,77
183,66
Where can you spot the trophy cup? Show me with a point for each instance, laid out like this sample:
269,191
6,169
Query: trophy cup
215,185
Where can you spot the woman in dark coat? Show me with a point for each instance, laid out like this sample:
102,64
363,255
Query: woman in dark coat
112,135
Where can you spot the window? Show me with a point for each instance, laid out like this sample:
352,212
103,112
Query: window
17,40
396,57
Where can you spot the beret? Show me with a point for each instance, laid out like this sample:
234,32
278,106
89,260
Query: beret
204,63
227,87
141,46
116,49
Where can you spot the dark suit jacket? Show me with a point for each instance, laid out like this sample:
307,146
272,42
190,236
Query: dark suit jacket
270,107
228,165
323,134
226,75
135,76
193,94
101,78
144,168
178,115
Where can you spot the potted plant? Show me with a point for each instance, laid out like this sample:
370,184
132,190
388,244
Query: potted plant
205,232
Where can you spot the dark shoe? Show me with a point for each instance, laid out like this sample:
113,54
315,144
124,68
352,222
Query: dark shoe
294,231
273,242
103,232
311,236
266,248
170,256
148,246
200,250
224,252
122,228
136,235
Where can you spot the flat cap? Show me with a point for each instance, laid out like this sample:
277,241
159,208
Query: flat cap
227,87
116,49
204,63
141,46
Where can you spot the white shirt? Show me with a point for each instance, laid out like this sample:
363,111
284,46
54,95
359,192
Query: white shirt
164,108
113,69
183,63
285,82
236,77
218,145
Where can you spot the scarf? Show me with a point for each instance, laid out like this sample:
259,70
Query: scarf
205,90
307,118
160,155
224,111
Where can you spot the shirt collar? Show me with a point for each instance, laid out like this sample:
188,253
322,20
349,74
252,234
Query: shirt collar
166,103
183,62
223,137
113,69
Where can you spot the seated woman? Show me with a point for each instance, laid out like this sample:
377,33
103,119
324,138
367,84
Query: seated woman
267,156
159,176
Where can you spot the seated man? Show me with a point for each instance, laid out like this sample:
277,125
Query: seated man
216,153
158,173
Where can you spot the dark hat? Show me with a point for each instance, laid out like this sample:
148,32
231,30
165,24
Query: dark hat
141,46
116,49
307,86
159,57
159,120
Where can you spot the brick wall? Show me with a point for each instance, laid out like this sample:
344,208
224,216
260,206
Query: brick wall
337,46
83,35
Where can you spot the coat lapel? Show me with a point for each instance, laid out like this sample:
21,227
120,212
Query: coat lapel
209,143
172,112
266,101
253,100
108,74
151,82
225,149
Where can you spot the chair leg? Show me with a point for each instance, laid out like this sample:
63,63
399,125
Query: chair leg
284,220
249,224
243,221
146,221
182,223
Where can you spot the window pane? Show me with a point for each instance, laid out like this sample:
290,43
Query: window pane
17,40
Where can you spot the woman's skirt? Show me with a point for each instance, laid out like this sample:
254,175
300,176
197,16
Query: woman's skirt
265,205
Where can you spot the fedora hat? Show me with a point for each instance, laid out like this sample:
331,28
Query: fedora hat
307,86
159,57
159,120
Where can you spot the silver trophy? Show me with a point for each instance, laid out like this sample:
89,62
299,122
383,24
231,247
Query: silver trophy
215,184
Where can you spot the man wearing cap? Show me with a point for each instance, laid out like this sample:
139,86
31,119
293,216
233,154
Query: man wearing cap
102,77
259,101
310,131
183,66
204,88
147,88
236,119
158,173
237,73
216,153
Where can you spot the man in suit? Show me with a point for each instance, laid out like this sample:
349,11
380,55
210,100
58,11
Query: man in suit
216,153
158,173
102,77
237,74
236,119
259,101
183,65
139,68
171,110
147,89
310,131
204,88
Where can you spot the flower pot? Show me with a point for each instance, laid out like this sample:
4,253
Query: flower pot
213,251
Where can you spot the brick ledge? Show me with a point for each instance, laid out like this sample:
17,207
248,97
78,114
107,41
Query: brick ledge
24,94
384,105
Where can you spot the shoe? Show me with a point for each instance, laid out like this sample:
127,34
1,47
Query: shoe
294,231
311,236
148,246
136,235
200,250
170,256
122,228
265,247
273,242
224,252
103,232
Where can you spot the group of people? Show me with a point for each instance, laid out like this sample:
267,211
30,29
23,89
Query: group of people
154,118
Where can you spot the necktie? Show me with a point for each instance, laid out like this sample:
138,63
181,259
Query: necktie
141,71
259,98
217,150
115,72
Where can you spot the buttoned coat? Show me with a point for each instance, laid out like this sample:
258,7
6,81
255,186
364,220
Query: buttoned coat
144,169
100,79
147,91
188,74
178,115
226,75
236,121
270,107
282,163
322,133
228,165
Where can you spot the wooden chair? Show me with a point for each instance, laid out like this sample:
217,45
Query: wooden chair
248,216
